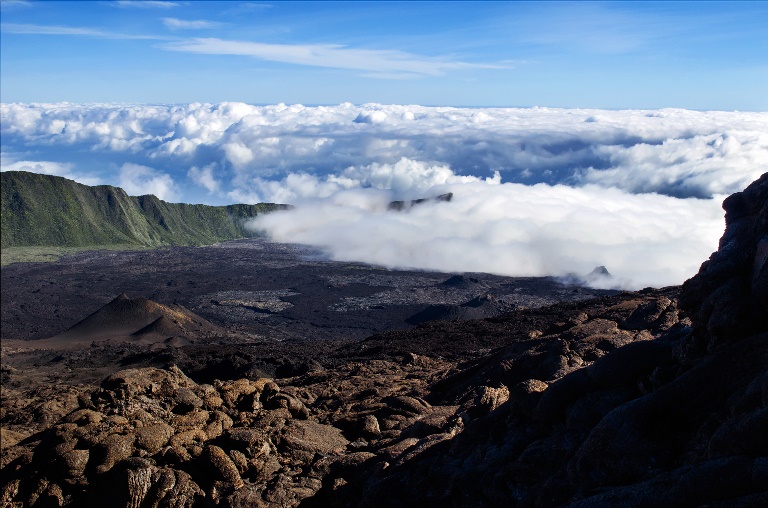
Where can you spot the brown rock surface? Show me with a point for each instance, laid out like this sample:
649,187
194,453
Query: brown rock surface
671,421
654,398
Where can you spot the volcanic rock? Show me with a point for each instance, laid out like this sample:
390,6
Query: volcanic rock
480,307
626,400
728,298
405,205
460,281
638,421
136,319
599,271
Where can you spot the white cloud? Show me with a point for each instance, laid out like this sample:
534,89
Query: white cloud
382,63
515,230
696,165
144,4
675,152
406,179
238,154
139,180
205,177
189,24
371,117
613,178
19,28
8,162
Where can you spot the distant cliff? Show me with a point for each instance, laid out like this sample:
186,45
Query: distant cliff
43,210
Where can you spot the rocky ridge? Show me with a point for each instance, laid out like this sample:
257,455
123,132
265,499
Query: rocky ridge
652,398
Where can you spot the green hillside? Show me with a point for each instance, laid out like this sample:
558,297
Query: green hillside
42,210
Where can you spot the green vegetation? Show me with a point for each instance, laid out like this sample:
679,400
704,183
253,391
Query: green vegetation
58,216
46,253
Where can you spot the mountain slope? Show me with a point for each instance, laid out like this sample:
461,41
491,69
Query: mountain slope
53,211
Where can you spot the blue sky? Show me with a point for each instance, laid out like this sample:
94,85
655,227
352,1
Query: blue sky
695,55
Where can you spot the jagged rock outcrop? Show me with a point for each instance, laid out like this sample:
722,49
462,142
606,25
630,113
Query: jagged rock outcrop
675,421
399,206
728,298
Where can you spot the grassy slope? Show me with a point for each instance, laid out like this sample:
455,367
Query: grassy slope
41,210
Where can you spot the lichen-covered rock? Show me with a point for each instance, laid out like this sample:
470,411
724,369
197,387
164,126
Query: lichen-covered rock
114,448
222,466
301,440
153,437
525,395
369,426
295,407
131,383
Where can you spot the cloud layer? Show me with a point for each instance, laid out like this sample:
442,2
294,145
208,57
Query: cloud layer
674,152
514,229
538,191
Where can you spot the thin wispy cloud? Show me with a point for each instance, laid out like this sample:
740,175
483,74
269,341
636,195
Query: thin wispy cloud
12,4
599,28
144,4
254,6
17,28
595,54
245,8
175,23
391,75
50,30
382,62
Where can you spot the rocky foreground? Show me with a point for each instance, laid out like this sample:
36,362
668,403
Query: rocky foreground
656,398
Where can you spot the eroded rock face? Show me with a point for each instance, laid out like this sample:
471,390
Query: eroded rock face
728,298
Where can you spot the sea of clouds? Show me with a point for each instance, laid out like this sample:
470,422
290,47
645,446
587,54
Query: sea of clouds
537,191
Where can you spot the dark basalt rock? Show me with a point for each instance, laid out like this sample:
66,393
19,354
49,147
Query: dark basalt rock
728,298
463,282
600,271
480,307
399,206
